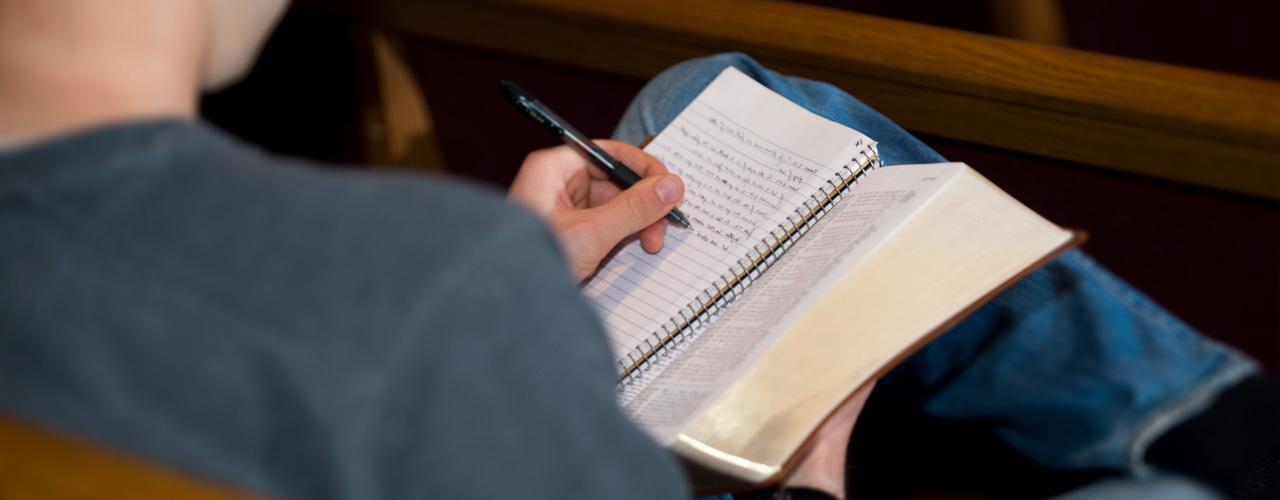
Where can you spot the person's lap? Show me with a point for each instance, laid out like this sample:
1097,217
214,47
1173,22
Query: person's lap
1082,370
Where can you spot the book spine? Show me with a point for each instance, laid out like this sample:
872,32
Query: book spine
708,304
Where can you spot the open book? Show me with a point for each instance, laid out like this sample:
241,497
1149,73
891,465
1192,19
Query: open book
808,272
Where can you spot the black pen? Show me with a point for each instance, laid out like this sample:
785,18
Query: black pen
618,173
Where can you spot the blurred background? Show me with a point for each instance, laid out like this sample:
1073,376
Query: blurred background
349,85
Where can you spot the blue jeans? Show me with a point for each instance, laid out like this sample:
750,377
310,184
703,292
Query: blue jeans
1079,369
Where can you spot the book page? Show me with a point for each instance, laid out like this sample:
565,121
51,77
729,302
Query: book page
666,397
966,243
749,158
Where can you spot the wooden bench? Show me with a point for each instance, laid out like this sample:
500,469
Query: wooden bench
1192,126
39,464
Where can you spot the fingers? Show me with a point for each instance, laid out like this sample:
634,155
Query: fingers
562,186
638,208
636,159
601,191
651,237
565,160
551,177
546,173
542,178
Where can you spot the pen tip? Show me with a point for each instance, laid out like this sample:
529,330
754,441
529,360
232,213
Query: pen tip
679,218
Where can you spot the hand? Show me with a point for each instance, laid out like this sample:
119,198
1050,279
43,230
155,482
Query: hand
590,215
824,467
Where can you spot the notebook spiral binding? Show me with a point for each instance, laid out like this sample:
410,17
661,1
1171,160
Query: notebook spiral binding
728,286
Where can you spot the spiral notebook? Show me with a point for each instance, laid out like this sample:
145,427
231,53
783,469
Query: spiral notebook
808,270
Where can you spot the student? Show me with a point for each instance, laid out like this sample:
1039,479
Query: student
287,329
306,332
276,326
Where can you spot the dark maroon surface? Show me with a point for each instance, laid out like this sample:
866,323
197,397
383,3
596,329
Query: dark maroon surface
481,135
1235,36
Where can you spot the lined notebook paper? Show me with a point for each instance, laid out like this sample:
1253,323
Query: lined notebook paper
755,166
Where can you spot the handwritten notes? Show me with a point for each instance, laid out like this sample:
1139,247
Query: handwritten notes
749,159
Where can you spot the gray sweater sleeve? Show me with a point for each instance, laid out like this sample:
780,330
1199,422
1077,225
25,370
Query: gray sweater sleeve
528,401
304,332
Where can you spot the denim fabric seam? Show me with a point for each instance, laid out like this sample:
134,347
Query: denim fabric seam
1196,400
1161,420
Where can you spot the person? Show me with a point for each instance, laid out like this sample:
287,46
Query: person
285,329
307,332
264,323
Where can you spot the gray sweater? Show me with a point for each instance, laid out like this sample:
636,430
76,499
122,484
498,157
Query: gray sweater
303,332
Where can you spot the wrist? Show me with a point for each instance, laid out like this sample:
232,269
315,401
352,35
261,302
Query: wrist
822,470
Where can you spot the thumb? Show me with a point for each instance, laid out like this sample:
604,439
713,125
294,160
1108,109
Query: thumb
637,207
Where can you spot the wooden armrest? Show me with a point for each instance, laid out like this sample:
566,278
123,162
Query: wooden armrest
1194,126
38,464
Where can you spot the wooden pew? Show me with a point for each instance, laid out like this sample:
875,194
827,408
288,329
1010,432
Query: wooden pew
1205,128
39,464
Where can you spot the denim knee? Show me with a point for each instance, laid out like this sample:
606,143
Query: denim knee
672,90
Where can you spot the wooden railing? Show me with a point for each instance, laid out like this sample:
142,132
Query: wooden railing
1199,127
36,463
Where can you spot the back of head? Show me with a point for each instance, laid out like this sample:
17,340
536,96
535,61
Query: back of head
71,64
